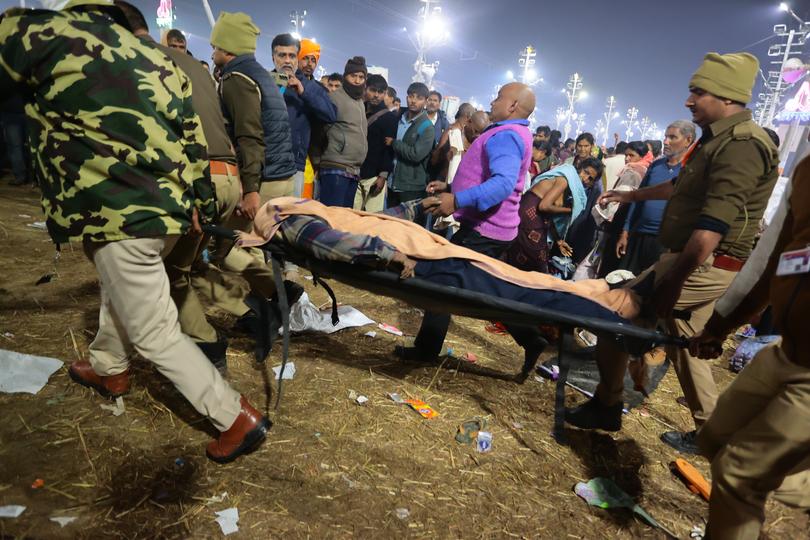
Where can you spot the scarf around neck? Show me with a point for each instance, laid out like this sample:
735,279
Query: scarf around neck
354,91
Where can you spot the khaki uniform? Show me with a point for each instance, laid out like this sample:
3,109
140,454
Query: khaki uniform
757,438
133,269
758,442
725,183
225,179
363,200
217,282
187,253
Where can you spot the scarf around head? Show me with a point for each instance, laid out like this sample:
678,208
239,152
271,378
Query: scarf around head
577,194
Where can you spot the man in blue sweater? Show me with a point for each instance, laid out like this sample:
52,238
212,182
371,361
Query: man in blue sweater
307,102
638,246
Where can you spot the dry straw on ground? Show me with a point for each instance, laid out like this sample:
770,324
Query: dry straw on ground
331,468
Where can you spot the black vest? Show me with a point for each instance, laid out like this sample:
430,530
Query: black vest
278,152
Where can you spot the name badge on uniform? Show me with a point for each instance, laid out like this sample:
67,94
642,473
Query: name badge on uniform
794,262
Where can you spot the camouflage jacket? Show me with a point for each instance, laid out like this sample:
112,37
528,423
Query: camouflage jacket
117,148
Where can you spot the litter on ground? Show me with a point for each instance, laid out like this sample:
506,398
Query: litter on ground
24,372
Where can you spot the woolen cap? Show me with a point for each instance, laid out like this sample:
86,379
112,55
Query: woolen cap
730,76
235,33
355,65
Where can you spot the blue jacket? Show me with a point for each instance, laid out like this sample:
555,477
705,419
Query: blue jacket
313,105
278,155
441,125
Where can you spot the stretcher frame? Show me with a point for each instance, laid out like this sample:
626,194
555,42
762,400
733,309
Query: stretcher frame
429,296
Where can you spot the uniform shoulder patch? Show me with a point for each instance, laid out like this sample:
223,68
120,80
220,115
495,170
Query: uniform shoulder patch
743,131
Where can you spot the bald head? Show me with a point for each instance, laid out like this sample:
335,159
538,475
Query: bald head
478,123
465,111
515,100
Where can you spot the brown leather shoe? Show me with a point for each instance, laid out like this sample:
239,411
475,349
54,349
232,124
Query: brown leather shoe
110,386
247,433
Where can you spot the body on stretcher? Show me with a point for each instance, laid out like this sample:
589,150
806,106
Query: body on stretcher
426,295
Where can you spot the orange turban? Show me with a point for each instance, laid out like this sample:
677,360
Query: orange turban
309,48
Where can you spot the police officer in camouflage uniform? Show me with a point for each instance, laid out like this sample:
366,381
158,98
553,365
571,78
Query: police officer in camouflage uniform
120,157
708,228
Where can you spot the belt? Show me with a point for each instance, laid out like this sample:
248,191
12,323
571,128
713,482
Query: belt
224,168
726,262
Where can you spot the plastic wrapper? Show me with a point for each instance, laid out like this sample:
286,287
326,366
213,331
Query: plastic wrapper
747,350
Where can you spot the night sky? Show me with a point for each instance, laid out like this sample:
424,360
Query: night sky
641,51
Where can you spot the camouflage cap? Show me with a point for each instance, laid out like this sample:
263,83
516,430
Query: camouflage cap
58,5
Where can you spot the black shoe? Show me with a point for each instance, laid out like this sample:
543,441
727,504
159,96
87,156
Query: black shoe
19,182
247,323
412,354
685,443
593,415
216,354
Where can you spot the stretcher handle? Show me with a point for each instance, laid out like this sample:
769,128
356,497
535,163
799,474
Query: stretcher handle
220,231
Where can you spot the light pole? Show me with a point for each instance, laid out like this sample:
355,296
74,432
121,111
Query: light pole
630,121
599,130
644,127
784,6
526,61
298,20
609,116
559,116
574,93
655,132
789,47
431,33
208,13
579,120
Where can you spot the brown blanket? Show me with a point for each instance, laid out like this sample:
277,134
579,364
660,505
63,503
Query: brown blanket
416,242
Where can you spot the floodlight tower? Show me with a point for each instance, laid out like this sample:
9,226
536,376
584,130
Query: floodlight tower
431,33
298,21
789,46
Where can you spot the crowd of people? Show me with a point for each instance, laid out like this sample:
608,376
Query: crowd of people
136,144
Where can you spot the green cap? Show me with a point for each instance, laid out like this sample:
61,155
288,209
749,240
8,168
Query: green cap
235,33
729,76
75,3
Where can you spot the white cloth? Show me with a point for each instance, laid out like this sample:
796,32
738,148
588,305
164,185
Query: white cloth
456,143
25,373
606,213
613,166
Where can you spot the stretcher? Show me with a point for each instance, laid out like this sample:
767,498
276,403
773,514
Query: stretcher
429,296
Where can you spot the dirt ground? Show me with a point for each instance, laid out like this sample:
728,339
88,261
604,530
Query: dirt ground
330,468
